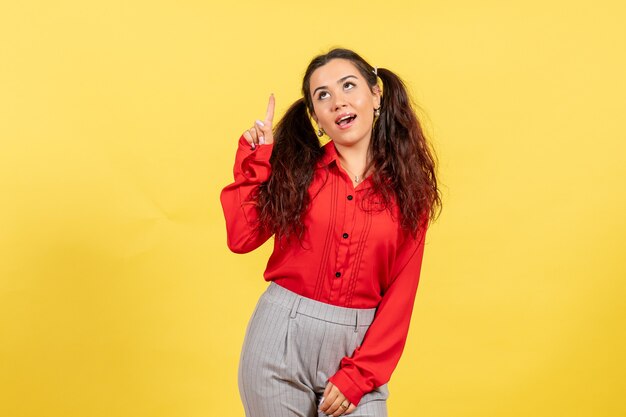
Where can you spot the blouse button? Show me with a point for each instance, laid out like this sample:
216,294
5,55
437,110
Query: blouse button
337,274
345,235
350,197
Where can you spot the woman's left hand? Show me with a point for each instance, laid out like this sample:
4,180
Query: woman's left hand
333,399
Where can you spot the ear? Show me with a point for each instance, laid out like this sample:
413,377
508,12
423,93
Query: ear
314,117
376,96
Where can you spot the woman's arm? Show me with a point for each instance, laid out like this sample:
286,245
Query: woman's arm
252,167
372,364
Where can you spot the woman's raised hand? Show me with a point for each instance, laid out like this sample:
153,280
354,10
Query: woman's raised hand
261,132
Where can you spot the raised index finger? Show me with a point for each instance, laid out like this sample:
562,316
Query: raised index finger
269,116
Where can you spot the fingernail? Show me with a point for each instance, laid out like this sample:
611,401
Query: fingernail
321,400
253,146
260,123
261,140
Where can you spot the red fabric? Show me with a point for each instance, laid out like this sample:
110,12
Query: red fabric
352,256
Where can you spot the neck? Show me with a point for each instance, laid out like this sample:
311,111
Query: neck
354,158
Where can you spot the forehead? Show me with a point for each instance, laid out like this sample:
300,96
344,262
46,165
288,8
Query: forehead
331,72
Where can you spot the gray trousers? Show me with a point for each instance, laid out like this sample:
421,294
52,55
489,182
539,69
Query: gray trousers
292,346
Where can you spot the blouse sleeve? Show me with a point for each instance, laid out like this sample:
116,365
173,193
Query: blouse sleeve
372,364
252,167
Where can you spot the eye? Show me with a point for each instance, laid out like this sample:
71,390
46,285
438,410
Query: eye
348,85
322,95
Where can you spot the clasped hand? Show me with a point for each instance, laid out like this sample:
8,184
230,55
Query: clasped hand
332,401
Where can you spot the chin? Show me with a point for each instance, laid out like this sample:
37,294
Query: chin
348,138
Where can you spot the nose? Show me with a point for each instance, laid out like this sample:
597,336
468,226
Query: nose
339,102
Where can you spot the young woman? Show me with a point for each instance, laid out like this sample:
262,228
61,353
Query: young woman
349,220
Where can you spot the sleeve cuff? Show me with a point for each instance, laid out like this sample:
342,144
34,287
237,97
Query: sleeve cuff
262,150
254,164
347,387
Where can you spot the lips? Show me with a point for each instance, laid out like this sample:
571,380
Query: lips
345,120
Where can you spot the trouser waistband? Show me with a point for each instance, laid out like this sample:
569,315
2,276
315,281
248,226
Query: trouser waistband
306,306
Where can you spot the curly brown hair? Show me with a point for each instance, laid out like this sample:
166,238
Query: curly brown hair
403,163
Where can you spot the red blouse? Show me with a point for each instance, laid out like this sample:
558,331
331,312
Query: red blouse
352,256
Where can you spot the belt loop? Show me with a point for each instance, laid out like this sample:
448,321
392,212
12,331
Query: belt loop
294,307
356,326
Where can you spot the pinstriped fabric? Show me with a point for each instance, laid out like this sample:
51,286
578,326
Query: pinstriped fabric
321,275
317,309
292,346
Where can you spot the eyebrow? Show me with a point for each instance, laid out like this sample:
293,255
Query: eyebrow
338,82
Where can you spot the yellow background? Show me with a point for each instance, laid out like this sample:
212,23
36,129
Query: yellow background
118,125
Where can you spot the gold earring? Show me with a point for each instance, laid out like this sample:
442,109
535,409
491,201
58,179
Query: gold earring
320,132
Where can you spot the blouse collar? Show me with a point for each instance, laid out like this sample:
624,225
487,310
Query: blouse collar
330,155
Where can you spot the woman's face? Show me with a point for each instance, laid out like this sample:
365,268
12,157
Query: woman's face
343,103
